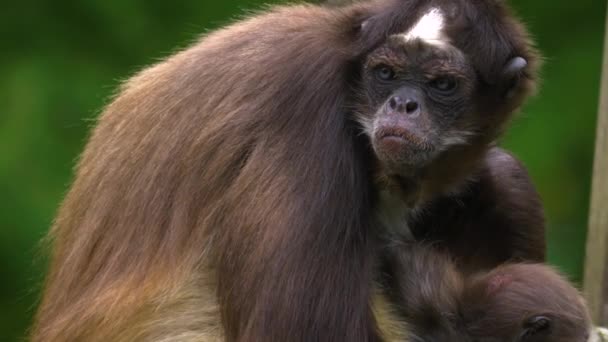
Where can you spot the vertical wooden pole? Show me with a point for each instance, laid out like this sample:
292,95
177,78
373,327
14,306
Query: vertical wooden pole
596,263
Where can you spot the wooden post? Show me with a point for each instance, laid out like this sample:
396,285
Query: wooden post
596,263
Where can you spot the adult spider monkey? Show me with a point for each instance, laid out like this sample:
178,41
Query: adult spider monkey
226,192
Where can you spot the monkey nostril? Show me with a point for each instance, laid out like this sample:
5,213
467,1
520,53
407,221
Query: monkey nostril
394,102
411,107
398,105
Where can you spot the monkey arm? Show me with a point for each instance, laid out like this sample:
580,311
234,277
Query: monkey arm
497,217
420,296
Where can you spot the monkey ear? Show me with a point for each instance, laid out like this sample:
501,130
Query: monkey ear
512,73
363,25
534,327
515,66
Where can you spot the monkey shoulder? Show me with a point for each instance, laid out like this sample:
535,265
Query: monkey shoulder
495,217
503,171
505,184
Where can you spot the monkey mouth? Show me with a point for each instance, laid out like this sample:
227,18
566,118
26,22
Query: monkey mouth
397,148
403,137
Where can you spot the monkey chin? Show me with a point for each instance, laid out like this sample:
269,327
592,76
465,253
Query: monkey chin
402,152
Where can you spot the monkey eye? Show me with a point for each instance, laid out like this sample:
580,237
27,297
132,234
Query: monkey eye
445,85
384,73
534,326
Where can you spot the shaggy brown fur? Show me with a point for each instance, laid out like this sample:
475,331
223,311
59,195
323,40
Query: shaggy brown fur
225,193
496,217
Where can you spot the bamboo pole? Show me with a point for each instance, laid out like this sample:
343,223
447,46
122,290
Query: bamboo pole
596,263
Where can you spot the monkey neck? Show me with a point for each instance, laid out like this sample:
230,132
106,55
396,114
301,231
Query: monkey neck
393,214
449,173
399,196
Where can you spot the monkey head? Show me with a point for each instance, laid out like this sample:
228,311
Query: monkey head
524,303
444,88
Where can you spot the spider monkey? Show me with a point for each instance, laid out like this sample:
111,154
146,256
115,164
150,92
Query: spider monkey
432,124
226,193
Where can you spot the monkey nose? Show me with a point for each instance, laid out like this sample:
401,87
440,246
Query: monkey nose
409,106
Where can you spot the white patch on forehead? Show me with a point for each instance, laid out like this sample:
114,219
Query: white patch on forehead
429,28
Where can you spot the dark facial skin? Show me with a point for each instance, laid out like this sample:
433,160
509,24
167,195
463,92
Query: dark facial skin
513,303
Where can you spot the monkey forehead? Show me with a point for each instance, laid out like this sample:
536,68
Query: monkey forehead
401,54
426,38
428,29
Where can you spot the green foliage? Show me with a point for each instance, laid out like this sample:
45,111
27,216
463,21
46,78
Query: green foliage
62,60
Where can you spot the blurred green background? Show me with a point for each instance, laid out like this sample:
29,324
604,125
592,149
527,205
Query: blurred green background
61,60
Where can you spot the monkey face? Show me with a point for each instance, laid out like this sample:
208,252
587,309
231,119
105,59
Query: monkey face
420,97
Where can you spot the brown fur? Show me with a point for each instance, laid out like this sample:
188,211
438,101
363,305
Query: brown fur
203,162
496,217
224,193
501,302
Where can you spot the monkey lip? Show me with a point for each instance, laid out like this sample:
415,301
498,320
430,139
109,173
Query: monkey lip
393,144
400,137
392,137
393,133
398,147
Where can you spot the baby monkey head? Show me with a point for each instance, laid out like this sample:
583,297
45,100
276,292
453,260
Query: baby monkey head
524,303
